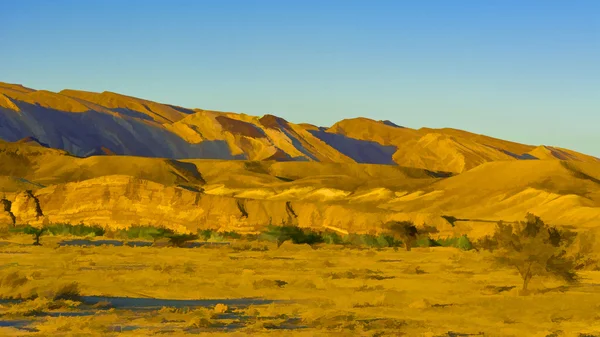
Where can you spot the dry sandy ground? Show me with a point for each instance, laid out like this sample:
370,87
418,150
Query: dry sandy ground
330,291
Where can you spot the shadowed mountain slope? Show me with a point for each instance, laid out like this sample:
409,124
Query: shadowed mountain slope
88,123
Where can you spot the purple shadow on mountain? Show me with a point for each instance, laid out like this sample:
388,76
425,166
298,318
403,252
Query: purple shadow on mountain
361,151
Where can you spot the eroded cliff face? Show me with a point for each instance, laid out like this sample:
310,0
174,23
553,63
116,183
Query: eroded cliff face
6,214
26,208
122,201
246,197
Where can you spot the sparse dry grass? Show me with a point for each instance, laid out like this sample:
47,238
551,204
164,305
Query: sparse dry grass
322,292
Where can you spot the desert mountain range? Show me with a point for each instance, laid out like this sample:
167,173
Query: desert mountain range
116,160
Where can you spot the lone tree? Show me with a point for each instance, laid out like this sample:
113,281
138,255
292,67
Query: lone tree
533,248
36,232
405,231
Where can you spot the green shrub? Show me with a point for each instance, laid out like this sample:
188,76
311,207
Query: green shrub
360,240
332,238
461,242
62,229
308,236
447,242
297,235
464,243
534,248
385,240
231,235
215,235
179,240
426,242
18,229
75,230
369,240
144,232
205,234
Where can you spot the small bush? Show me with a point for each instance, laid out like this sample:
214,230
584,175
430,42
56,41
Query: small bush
189,267
464,243
33,307
533,248
220,308
359,240
405,230
75,230
144,232
461,242
13,280
205,234
215,235
384,240
249,247
297,235
164,268
60,229
67,292
366,274
266,283
332,238
179,240
426,242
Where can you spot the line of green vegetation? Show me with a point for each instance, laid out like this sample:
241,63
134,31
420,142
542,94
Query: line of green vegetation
272,233
62,229
532,247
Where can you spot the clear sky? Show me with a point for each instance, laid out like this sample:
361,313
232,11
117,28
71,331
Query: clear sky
527,71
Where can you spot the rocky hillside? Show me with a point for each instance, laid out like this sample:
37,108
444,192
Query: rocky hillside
87,123
47,185
114,160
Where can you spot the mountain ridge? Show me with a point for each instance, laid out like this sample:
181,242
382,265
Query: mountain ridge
87,123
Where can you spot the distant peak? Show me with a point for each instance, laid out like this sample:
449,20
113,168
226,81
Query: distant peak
16,87
390,123
273,122
70,91
350,121
308,126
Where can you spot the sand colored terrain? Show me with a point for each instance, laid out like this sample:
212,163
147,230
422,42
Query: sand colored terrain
118,191
87,123
117,160
330,291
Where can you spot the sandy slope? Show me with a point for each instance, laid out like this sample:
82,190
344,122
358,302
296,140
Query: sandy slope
353,176
119,191
88,123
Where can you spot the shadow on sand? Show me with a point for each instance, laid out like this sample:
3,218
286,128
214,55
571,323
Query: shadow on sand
118,243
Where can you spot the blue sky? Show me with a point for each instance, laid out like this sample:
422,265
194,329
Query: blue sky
527,71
